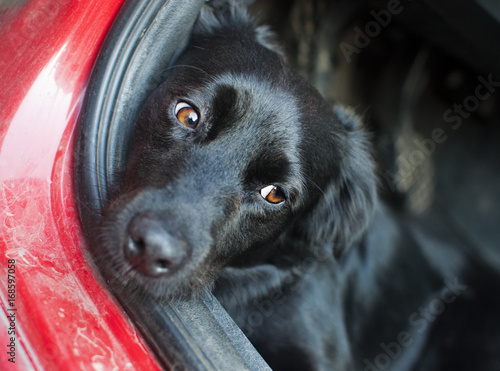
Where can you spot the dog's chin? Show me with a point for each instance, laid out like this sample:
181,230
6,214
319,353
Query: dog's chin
181,285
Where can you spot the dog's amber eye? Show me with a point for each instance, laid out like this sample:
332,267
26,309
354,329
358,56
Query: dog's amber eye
273,194
187,115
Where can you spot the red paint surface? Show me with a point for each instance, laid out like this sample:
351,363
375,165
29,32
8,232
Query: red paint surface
65,320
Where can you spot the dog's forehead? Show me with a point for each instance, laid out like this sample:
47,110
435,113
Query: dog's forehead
256,123
256,105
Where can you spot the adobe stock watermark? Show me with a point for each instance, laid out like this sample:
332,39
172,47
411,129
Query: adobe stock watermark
424,148
372,29
418,321
471,103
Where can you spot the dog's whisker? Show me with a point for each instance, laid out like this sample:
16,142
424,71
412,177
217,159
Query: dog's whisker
188,66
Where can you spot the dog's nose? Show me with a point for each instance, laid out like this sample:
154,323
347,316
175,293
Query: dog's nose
150,249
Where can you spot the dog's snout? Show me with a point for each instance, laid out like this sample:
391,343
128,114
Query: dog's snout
150,249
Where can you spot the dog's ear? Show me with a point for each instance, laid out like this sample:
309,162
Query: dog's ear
346,208
218,13
356,196
268,38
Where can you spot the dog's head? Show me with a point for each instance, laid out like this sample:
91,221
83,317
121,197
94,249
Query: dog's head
231,153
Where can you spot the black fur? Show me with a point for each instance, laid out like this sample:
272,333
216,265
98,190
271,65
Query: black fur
316,282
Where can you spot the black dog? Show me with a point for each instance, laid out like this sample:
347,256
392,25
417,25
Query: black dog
244,181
